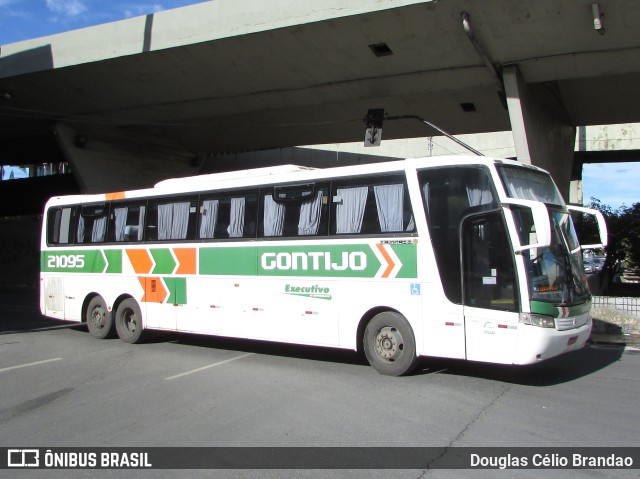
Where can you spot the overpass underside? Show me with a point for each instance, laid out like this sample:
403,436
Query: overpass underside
166,95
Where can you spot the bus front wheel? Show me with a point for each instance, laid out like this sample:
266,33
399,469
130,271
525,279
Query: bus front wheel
99,319
129,321
389,344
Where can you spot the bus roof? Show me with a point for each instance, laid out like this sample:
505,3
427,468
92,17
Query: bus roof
285,173
232,175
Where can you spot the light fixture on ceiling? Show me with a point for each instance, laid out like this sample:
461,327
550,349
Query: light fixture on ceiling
598,18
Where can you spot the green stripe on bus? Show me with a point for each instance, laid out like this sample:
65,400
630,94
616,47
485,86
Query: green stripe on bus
81,261
114,258
177,290
165,263
407,253
73,261
549,309
339,261
240,261
344,261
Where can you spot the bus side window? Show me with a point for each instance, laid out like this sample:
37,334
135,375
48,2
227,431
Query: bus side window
294,210
92,223
60,225
172,219
126,222
232,215
372,208
450,194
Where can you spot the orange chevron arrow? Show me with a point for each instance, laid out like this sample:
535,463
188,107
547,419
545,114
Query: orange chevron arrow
140,260
388,259
154,290
187,260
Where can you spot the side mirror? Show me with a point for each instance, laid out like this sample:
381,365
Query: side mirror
602,225
541,222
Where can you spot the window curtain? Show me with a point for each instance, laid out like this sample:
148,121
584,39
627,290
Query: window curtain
310,216
273,217
173,220
99,229
412,224
81,229
180,220
121,222
530,185
389,201
236,223
479,196
209,218
350,211
141,223
165,220
65,223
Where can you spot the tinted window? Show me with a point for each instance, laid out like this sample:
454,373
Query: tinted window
227,215
61,225
371,206
295,210
92,223
450,195
171,219
126,222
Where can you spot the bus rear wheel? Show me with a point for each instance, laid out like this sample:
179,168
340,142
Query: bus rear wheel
129,321
99,319
389,344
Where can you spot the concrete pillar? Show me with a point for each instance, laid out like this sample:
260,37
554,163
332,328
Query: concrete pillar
105,159
543,134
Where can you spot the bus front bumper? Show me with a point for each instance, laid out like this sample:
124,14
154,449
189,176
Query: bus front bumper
537,344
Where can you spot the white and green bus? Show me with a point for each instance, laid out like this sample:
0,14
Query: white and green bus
457,257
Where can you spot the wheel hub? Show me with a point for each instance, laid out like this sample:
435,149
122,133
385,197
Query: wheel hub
388,343
97,318
132,322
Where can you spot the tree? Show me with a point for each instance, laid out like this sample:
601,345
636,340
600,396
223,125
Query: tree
623,225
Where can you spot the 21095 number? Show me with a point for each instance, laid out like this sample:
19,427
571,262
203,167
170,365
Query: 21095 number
66,261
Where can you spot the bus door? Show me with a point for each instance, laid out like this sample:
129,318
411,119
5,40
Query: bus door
490,292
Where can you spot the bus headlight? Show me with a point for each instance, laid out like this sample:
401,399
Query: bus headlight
540,320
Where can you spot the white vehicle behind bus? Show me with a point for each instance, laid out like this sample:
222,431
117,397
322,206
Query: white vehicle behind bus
459,257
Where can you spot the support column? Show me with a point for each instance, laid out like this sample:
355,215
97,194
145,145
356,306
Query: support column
104,160
542,132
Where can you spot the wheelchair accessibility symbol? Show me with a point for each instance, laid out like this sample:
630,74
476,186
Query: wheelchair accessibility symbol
415,289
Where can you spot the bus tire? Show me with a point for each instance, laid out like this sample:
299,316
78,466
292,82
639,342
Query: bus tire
389,344
99,319
128,321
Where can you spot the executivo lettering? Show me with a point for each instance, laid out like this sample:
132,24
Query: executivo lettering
314,291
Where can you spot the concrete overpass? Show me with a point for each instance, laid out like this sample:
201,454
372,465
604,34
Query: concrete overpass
142,99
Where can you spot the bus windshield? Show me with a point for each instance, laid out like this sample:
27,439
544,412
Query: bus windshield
555,273
530,184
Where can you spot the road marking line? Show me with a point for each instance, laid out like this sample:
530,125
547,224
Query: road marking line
47,328
30,364
193,371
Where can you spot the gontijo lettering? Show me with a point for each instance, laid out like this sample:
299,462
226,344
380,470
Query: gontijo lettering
315,260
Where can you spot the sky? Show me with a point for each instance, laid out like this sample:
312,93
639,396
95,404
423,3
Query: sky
27,19
614,185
